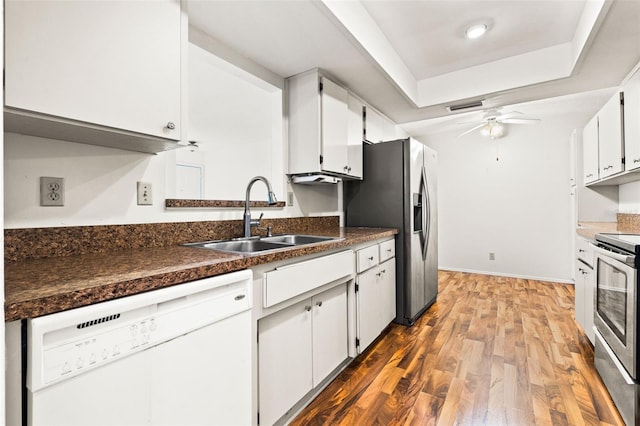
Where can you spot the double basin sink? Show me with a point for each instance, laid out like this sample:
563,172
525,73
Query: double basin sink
261,244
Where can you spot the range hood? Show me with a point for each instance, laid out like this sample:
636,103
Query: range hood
314,179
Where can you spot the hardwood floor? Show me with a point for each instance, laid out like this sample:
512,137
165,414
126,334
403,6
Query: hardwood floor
490,351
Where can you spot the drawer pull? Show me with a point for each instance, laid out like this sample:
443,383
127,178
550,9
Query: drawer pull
370,258
307,308
239,297
319,304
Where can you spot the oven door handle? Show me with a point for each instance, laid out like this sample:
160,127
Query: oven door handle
623,372
617,256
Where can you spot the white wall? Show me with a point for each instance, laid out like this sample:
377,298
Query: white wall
100,187
629,196
517,207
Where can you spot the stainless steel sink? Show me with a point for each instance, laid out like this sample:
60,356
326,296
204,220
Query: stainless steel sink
243,246
256,245
297,240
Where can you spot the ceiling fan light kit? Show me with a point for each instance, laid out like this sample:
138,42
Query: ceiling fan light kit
493,124
493,129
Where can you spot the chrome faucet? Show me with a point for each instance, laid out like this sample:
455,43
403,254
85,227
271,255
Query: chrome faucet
271,200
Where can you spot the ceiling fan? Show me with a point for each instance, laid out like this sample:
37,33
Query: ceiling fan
492,123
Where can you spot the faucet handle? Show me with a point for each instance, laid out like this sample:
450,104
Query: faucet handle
256,222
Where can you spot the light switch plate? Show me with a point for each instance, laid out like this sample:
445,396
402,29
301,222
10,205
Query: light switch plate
144,194
51,191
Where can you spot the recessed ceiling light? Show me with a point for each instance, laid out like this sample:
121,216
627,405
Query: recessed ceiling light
475,31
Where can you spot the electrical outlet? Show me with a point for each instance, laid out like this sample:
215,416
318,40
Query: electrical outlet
51,191
290,198
492,256
144,194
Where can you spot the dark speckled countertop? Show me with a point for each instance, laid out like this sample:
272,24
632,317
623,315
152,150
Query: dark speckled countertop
36,287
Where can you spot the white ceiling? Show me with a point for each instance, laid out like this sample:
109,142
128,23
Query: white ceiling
398,54
429,35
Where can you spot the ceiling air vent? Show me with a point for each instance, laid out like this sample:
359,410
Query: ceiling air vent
468,105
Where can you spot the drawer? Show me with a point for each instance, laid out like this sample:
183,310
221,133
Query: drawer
387,250
584,251
367,258
289,281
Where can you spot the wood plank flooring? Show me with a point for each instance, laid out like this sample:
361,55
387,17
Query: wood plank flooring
490,351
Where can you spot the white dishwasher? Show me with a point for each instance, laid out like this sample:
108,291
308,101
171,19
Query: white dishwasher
175,356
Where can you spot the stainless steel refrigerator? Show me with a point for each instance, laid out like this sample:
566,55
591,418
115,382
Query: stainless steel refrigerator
398,190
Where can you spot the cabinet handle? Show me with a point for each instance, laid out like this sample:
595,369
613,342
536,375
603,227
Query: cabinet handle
608,167
307,308
349,169
345,168
171,125
590,175
581,251
636,160
389,250
319,303
370,258
384,271
378,274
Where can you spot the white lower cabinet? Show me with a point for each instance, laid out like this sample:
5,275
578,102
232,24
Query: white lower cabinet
375,292
584,287
299,346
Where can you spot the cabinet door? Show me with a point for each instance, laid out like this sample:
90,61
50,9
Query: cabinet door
388,292
111,63
610,137
580,293
284,360
590,150
368,323
379,128
330,345
334,128
354,140
589,306
632,123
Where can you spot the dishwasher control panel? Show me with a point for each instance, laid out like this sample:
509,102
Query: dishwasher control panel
73,342
95,349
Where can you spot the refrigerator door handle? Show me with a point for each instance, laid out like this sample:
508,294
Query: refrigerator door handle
426,214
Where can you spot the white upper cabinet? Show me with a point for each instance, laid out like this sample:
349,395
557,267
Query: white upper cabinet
632,123
319,127
114,64
610,137
355,137
378,127
335,127
590,150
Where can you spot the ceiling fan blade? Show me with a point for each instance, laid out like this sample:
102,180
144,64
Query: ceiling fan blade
507,115
472,129
521,121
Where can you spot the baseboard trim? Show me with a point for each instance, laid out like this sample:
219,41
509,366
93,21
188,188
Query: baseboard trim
501,274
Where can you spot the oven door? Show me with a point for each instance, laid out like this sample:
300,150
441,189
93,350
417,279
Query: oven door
615,305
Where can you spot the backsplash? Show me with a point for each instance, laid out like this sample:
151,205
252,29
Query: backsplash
35,243
628,222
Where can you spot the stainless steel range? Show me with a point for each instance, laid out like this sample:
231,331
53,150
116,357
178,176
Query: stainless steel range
617,356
